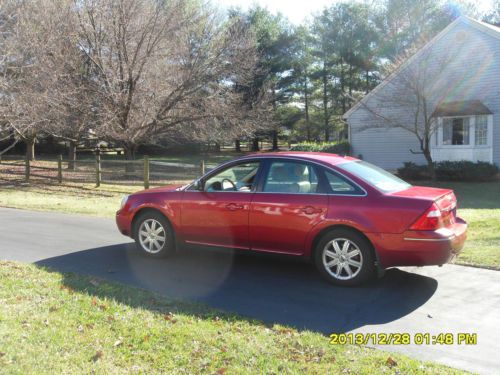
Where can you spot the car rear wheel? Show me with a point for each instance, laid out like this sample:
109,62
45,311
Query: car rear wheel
344,257
153,235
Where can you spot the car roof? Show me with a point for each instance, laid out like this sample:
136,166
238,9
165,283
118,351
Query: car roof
322,157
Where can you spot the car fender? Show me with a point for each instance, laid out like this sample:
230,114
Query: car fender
169,208
361,225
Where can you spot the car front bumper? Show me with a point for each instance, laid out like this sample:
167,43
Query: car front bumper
123,222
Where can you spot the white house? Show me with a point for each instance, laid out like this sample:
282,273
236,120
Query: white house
461,66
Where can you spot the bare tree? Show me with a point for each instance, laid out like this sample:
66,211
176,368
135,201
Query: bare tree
8,20
131,71
68,82
409,96
162,68
25,85
16,64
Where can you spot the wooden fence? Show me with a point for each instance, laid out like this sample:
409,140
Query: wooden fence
145,171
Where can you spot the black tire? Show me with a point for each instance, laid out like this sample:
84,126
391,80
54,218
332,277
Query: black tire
344,261
152,248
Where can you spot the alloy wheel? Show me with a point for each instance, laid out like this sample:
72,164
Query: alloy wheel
152,236
342,259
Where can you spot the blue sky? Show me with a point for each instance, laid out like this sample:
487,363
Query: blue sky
298,10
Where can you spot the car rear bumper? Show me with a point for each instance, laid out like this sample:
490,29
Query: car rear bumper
421,248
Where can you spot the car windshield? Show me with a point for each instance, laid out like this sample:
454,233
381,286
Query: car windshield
375,176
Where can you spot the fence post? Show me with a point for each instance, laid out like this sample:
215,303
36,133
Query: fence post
59,169
202,167
97,168
146,172
27,169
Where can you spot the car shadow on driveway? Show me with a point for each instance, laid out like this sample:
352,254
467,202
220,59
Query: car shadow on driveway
272,289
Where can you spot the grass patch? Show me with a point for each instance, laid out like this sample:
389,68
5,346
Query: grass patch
76,199
479,205
66,323
483,243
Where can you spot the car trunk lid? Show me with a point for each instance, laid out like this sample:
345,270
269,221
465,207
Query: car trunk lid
442,203
422,192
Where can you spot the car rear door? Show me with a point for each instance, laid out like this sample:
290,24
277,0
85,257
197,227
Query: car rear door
288,203
218,214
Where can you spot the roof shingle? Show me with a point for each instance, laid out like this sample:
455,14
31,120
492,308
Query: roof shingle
461,108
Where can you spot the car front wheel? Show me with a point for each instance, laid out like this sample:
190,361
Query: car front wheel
153,235
344,257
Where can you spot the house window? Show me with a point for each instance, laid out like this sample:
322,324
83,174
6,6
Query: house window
456,131
481,131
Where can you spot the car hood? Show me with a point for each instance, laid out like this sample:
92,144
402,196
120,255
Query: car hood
162,189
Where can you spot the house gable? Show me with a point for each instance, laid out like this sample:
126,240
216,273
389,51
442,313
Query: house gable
460,22
469,84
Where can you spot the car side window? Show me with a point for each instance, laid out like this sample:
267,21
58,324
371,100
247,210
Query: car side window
291,177
240,177
340,185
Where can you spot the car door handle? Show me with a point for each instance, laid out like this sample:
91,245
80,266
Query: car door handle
309,210
234,206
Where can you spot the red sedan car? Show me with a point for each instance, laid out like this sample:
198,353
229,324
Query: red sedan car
349,217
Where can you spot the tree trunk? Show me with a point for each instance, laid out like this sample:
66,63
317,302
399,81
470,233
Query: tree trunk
275,140
342,85
274,133
345,132
130,156
30,149
367,81
217,147
325,105
255,144
237,145
72,156
350,75
430,163
306,110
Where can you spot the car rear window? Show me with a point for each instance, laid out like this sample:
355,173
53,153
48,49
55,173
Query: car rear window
339,185
375,176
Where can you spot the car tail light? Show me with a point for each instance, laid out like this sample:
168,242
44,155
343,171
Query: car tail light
447,203
431,219
448,207
441,214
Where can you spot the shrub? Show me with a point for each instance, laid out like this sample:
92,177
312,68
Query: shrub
465,171
341,148
451,171
412,171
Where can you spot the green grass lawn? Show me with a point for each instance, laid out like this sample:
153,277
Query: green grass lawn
479,205
77,199
66,323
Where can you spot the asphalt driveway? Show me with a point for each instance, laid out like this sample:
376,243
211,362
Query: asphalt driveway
276,290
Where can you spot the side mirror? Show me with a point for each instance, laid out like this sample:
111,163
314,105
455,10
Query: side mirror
198,185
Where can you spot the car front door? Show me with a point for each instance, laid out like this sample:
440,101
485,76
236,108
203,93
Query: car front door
287,205
216,213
